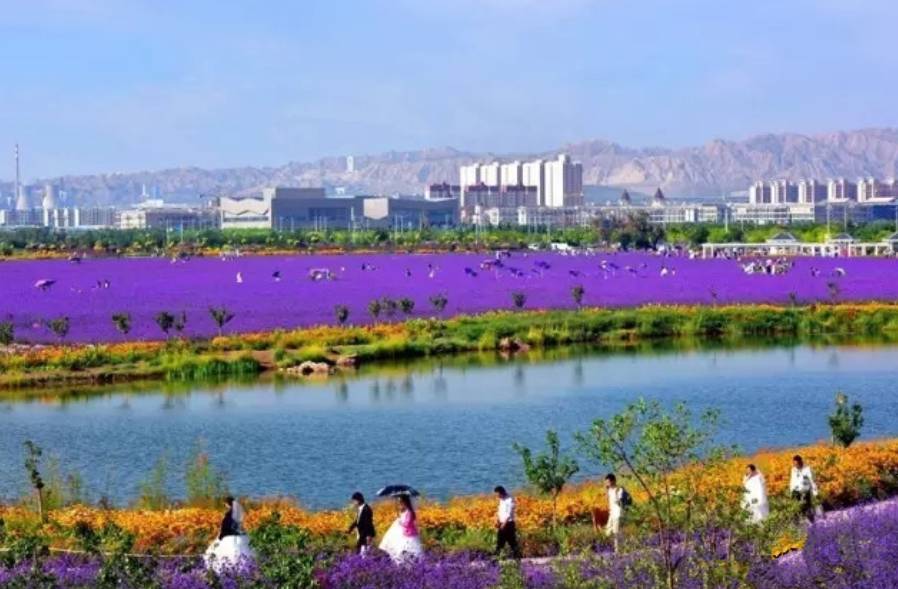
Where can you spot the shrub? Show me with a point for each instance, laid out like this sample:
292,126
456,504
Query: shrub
153,492
7,333
846,421
439,302
341,312
206,486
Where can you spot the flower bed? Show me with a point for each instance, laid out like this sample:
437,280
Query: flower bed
846,476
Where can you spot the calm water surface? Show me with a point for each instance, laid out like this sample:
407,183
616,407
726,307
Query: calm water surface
446,430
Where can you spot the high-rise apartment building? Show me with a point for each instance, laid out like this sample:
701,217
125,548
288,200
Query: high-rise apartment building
511,174
759,193
811,191
840,189
549,183
783,192
489,174
534,174
564,183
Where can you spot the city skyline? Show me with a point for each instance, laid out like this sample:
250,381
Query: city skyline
104,87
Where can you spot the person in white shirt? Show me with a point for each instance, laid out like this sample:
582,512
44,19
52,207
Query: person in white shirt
506,529
615,509
755,498
803,487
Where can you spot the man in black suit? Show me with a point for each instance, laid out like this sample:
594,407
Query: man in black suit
363,524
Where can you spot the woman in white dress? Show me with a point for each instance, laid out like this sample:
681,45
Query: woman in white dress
402,541
231,549
755,498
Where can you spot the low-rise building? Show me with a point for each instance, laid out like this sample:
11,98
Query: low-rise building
442,191
409,213
771,214
288,208
158,215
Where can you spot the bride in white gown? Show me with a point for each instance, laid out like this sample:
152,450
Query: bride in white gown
231,549
402,541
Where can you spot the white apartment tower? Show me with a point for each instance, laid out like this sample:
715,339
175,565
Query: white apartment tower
782,192
558,182
759,193
534,174
811,191
489,174
511,174
563,183
840,189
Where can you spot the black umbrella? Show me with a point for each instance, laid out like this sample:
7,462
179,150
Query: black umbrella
397,490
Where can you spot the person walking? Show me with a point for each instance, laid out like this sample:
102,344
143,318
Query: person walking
231,547
803,487
616,504
754,500
506,528
363,524
402,541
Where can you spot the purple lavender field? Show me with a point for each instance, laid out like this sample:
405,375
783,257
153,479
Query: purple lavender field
90,292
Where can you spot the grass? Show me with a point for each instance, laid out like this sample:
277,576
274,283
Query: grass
250,354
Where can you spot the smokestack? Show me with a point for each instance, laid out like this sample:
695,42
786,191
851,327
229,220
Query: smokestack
21,198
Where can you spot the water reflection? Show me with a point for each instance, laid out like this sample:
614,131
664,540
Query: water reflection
446,423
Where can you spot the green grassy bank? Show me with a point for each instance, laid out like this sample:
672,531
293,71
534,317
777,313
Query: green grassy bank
504,332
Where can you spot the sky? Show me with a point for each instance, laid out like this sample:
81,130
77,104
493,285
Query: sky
95,86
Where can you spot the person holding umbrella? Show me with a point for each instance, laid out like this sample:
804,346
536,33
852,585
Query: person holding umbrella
363,524
402,541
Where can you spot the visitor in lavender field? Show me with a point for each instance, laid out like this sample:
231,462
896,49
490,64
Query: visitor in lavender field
803,487
363,524
506,528
617,500
755,498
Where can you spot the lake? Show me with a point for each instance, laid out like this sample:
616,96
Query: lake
444,428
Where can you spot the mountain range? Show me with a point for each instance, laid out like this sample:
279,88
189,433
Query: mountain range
716,168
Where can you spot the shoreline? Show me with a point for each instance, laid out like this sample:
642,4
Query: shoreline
324,350
177,527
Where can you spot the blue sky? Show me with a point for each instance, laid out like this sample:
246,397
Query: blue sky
119,85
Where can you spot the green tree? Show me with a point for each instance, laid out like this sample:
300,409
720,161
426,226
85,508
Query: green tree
374,308
33,454
549,471
59,326
388,306
846,421
122,322
407,305
577,293
649,445
180,322
439,302
165,321
221,316
519,299
7,333
341,312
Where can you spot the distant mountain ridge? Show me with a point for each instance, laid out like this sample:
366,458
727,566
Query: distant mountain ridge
718,167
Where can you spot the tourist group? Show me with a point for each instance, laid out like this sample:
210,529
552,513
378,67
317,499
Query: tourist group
402,541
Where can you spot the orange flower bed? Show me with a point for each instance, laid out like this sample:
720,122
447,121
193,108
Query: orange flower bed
840,474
